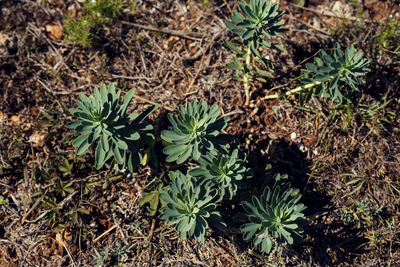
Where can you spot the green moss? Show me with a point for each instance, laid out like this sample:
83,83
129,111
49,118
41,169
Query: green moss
78,31
104,8
95,14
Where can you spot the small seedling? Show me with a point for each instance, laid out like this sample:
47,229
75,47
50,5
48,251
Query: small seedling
79,31
190,207
360,212
53,214
196,131
258,19
101,118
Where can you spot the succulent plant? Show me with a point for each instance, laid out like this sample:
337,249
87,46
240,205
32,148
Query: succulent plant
258,20
224,172
100,117
331,72
189,206
274,216
195,131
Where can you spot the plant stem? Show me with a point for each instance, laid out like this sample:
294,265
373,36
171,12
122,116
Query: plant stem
246,76
295,90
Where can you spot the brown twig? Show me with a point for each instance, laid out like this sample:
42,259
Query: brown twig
151,233
229,8
106,232
188,35
66,248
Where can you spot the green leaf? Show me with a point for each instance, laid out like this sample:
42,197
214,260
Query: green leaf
80,140
100,156
231,46
185,155
83,147
170,136
174,149
120,143
152,197
73,124
146,113
119,155
127,100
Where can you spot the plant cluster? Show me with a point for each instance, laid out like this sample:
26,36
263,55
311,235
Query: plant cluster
389,38
335,75
194,201
191,202
258,20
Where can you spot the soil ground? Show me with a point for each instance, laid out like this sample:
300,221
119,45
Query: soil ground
173,52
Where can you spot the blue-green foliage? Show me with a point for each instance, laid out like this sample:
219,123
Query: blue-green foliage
189,206
258,19
224,172
275,215
196,131
100,117
338,75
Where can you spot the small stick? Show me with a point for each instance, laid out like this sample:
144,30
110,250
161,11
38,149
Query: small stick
33,207
238,111
153,224
106,232
188,35
66,248
131,77
229,8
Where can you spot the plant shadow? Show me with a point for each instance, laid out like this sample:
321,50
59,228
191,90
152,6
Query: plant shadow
327,240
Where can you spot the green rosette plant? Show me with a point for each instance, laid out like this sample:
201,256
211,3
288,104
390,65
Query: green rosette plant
100,117
195,131
336,76
189,206
274,216
224,172
258,20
